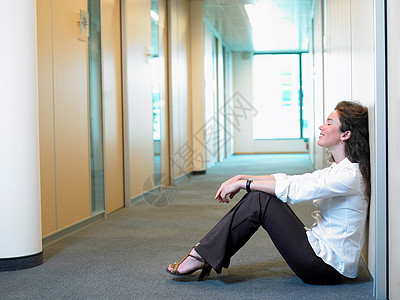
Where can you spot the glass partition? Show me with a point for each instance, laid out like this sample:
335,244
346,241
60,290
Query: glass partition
155,68
95,107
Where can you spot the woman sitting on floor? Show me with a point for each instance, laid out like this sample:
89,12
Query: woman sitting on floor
331,248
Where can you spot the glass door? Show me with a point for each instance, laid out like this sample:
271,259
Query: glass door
95,107
156,69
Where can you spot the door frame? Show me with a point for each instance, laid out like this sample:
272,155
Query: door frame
380,159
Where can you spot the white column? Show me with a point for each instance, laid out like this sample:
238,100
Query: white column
20,217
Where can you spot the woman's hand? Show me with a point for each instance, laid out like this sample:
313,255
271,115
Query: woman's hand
229,188
264,183
224,184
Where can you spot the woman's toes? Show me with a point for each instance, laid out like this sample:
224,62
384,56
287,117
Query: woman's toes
170,268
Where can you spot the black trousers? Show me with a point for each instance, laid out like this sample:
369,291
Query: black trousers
287,232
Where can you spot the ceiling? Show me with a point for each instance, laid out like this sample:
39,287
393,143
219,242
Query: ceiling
285,26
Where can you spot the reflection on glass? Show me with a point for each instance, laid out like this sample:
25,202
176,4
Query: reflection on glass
307,83
155,65
95,105
276,96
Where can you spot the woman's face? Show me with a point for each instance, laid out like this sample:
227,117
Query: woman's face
330,135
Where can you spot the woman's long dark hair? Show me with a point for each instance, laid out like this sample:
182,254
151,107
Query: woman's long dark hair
354,117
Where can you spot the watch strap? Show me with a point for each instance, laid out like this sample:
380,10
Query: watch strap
248,182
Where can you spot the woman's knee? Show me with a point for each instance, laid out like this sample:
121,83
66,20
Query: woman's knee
260,202
259,196
259,193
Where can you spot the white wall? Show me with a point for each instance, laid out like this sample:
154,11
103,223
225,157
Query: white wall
242,65
228,97
349,73
363,90
318,154
393,146
220,101
337,56
218,93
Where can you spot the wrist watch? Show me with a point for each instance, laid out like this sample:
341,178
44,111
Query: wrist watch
248,182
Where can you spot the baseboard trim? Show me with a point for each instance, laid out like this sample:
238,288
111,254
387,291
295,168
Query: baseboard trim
157,188
142,196
21,263
182,177
199,172
58,235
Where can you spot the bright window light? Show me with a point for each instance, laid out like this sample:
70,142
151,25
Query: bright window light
276,96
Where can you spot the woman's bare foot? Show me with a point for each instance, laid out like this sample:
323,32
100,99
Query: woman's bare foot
189,264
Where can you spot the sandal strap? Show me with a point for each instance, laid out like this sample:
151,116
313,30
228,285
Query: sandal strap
176,265
199,259
186,256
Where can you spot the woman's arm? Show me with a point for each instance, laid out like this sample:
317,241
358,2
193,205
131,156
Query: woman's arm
295,189
264,183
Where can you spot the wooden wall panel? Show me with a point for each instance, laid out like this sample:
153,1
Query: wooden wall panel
112,105
46,120
181,126
71,114
137,81
197,82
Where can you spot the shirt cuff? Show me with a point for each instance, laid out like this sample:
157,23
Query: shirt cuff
281,185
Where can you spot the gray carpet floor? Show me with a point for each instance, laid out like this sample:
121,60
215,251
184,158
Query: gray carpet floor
124,256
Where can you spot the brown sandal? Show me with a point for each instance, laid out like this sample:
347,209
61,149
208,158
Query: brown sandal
205,267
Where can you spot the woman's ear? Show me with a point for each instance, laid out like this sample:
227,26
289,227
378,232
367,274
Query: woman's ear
346,135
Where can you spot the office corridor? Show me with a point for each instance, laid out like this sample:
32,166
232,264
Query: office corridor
124,256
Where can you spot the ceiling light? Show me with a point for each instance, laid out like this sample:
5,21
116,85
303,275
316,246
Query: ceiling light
273,29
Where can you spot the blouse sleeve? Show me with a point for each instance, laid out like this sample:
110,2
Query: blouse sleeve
311,186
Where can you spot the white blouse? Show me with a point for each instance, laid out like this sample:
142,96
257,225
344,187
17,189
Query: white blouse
337,235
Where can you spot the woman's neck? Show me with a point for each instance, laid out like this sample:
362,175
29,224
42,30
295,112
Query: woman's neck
338,153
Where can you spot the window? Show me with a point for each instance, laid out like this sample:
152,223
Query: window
277,96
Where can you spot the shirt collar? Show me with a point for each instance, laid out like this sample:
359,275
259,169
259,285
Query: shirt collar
345,162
